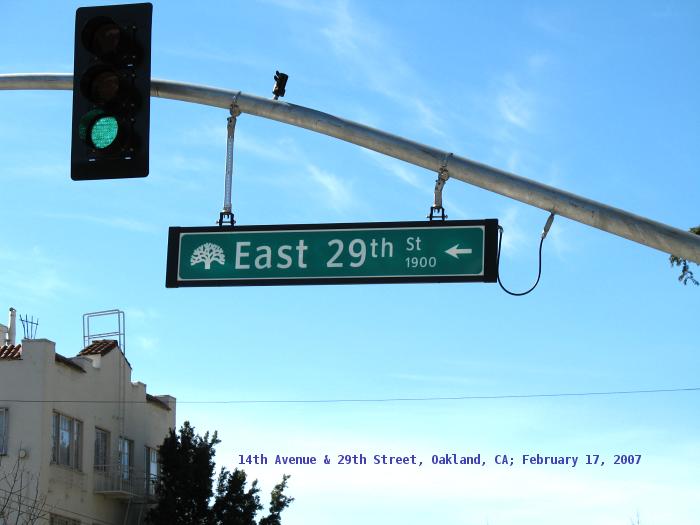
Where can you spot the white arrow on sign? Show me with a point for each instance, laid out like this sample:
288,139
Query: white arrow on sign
455,251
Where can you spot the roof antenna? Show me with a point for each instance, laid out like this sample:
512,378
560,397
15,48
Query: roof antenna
29,325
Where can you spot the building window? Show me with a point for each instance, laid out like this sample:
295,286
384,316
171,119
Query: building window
101,449
3,430
152,470
60,520
66,441
126,457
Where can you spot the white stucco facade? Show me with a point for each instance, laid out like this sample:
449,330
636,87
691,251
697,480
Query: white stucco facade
52,409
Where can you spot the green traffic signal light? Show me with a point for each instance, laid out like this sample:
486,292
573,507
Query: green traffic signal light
104,132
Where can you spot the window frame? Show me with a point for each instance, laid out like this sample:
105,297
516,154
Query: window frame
105,461
74,452
151,477
126,473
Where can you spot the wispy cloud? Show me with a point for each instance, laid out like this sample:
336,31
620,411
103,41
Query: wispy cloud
56,172
44,284
182,163
369,56
514,237
516,110
284,150
515,104
555,22
213,135
336,192
147,344
419,179
210,54
142,314
538,61
304,6
32,275
328,188
560,240
398,169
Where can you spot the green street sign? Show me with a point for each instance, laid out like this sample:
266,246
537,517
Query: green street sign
348,253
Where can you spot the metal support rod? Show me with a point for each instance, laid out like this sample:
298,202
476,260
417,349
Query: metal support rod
231,129
439,184
601,216
443,175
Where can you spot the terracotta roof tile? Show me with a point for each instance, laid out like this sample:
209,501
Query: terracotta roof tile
11,352
99,347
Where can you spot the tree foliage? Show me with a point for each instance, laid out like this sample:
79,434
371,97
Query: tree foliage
279,501
234,505
185,487
686,275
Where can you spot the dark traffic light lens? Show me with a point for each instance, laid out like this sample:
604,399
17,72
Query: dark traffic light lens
104,132
104,87
106,39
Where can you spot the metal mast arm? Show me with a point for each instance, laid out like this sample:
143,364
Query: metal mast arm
612,220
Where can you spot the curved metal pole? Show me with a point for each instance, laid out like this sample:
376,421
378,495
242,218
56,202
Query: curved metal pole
613,220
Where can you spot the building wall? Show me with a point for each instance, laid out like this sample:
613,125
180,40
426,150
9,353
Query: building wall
90,397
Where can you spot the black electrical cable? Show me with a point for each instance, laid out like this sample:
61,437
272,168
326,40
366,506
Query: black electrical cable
374,400
547,225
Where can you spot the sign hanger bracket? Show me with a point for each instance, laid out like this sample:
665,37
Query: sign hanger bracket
437,211
226,214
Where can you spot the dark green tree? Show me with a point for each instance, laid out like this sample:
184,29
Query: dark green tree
278,502
686,275
184,489
234,505
185,484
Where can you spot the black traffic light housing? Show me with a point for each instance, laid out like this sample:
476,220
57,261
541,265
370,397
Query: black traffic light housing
111,92
280,84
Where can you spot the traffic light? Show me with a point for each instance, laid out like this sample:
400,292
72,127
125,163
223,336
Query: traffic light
111,92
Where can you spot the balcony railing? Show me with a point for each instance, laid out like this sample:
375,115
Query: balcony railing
118,481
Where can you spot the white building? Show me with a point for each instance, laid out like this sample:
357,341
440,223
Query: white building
79,431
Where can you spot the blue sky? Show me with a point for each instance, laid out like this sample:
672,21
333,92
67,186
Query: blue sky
598,99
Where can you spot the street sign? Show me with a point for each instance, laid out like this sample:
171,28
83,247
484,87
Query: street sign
348,253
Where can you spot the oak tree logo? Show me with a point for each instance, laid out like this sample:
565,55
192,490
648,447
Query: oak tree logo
208,253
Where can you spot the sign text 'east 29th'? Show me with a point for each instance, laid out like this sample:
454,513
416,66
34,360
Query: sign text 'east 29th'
352,253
